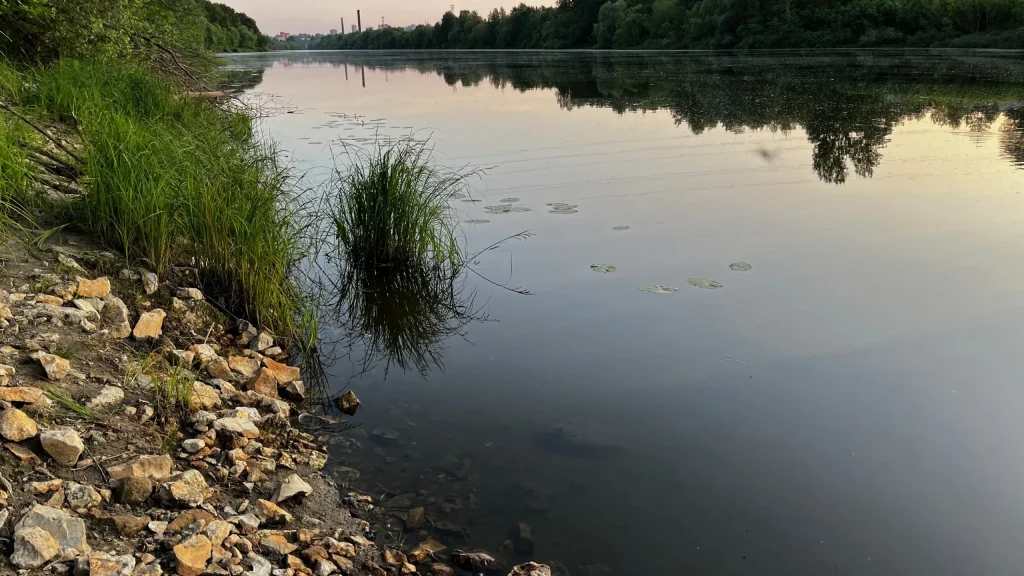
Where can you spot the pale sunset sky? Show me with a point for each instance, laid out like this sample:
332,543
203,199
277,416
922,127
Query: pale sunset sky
312,16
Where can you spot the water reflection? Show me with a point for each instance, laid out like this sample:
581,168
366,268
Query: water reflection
847,103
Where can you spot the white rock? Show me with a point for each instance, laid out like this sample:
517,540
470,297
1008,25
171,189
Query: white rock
63,444
292,486
108,395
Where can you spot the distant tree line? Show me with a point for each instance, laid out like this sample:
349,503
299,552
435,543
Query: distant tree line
712,24
231,31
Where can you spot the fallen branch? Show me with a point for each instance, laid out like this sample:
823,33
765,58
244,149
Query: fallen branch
8,107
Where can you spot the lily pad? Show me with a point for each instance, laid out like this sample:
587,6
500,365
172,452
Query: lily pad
519,209
603,268
457,195
704,283
509,200
561,211
561,206
385,433
477,221
471,200
620,228
740,266
498,209
659,289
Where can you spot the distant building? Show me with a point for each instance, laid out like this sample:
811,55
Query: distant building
282,36
334,32
354,28
410,28
369,28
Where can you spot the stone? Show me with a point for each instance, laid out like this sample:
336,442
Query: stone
277,544
474,560
192,555
531,569
128,526
89,305
324,567
263,382
241,426
441,570
394,557
348,403
296,390
103,564
69,532
408,569
56,368
282,372
16,426
243,365
152,467
47,299
193,445
426,550
248,523
22,394
189,293
522,538
346,549
183,358
414,518
191,489
261,342
190,517
97,288
33,547
69,262
344,564
108,395
25,455
46,486
272,513
157,527
204,396
81,496
218,531
292,486
150,325
150,282
63,445
219,368
260,565
116,318
314,553
134,490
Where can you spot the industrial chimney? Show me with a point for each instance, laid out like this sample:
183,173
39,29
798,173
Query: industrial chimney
342,26
359,20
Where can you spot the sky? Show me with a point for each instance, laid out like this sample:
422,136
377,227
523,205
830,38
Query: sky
312,16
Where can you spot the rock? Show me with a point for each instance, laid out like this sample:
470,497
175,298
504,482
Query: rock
442,570
394,557
157,527
63,445
97,288
192,555
291,487
193,445
296,565
414,519
183,358
190,517
134,490
46,486
69,532
33,547
296,390
81,496
531,569
128,526
47,299
426,550
345,474
23,454
324,567
150,325
272,513
277,544
23,394
150,282
522,538
263,382
248,523
348,403
219,368
115,317
204,396
189,293
244,366
16,426
474,560
152,569
282,372
241,426
152,467
56,367
260,565
191,489
261,342
103,564
69,262
218,531
108,395
385,433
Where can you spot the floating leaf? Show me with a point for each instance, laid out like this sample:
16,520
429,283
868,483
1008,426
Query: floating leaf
704,283
509,200
498,209
385,433
604,268
457,195
476,221
560,211
740,266
468,200
561,206
520,209
618,228
659,289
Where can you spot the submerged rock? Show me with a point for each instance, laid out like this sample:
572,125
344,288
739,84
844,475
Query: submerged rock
474,560
531,569
348,403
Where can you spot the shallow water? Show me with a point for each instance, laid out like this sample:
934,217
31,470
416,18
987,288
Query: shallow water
848,402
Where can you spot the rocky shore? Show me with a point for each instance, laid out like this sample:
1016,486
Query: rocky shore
145,432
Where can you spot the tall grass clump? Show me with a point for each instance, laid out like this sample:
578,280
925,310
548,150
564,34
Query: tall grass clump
179,181
393,206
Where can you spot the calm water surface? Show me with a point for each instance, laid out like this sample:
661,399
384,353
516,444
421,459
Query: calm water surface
852,404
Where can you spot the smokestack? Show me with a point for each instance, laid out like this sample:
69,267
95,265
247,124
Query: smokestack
342,26
359,20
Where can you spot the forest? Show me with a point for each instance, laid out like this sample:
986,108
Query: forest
712,24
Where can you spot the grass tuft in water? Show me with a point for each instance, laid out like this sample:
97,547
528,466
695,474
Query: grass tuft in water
393,206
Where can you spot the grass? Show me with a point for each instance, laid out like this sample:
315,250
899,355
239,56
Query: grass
69,404
173,180
393,206
174,392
